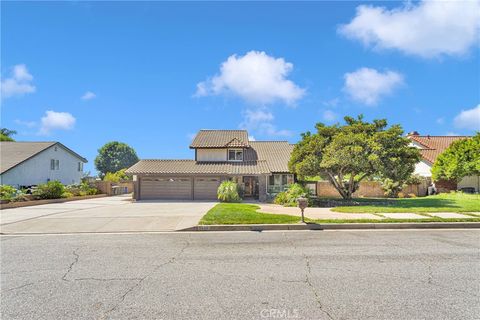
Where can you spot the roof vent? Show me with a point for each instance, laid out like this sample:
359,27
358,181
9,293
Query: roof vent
413,133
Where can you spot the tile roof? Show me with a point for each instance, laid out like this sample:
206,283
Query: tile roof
193,167
276,153
220,139
12,153
432,146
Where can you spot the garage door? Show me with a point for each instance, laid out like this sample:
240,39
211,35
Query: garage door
206,188
170,188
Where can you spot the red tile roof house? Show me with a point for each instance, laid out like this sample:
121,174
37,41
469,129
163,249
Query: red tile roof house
430,148
260,167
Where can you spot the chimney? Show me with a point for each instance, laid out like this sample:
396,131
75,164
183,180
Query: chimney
413,133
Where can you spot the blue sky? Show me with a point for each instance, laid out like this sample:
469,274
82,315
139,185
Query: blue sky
152,74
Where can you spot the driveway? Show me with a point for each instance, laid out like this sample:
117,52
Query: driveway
109,214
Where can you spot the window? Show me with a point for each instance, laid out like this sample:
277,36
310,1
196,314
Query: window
52,164
80,166
57,164
235,155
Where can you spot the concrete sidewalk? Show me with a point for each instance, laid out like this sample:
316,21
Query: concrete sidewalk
326,213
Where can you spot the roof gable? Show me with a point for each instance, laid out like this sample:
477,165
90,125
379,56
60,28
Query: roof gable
432,146
13,153
220,139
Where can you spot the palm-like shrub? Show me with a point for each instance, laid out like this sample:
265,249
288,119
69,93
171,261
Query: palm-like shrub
228,192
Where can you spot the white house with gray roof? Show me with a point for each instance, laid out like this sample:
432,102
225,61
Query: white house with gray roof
24,164
259,167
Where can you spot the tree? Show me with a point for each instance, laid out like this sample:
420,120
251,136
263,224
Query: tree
6,134
115,156
460,159
345,155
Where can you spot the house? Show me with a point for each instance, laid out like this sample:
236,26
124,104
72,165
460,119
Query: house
26,164
259,167
430,148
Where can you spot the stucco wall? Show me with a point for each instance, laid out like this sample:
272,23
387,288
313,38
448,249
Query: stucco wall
423,169
37,169
211,154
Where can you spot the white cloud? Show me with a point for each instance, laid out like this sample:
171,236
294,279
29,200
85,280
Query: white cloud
18,84
251,138
56,121
256,77
261,121
468,119
429,29
89,95
440,120
369,85
329,116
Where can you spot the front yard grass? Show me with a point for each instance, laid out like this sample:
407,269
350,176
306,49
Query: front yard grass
446,202
241,213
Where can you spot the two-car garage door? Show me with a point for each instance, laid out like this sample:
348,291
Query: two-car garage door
179,188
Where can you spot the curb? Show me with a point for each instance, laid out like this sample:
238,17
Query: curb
336,226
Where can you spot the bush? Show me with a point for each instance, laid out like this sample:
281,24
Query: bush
392,188
67,194
82,189
7,192
21,197
49,190
281,198
117,176
289,197
228,192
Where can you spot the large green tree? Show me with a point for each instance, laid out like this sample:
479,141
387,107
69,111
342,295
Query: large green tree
460,159
115,156
6,134
347,154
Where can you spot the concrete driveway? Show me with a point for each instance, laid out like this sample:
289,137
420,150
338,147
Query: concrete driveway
110,214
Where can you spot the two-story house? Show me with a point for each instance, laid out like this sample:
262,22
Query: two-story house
259,167
24,164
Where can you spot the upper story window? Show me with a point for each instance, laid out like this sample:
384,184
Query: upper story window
80,166
235,155
54,164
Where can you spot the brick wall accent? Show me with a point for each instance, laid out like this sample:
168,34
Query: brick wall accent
445,186
372,189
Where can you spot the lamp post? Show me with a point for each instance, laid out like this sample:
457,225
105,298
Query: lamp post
302,204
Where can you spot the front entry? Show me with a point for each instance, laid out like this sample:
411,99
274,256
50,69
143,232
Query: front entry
250,184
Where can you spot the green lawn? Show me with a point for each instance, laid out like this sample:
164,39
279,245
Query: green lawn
240,213
448,202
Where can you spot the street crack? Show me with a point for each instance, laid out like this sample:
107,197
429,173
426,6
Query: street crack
70,267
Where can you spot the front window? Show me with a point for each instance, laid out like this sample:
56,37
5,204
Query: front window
80,166
235,155
57,164
279,182
52,164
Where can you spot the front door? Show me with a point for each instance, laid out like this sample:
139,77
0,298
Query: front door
249,186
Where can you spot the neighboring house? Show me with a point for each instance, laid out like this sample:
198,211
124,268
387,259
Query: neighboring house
26,164
430,148
259,167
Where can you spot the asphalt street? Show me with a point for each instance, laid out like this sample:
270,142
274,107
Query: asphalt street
405,274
